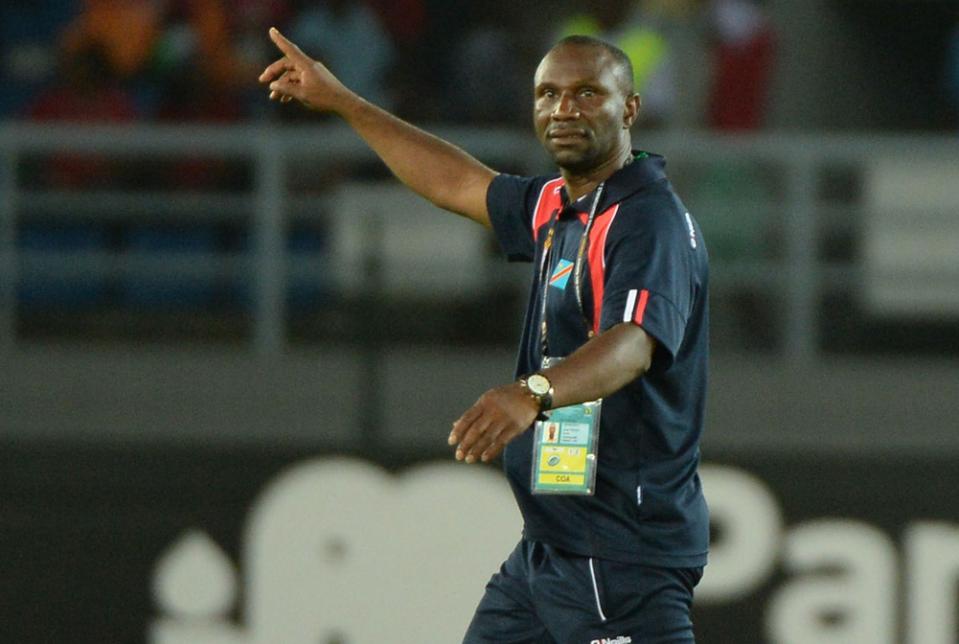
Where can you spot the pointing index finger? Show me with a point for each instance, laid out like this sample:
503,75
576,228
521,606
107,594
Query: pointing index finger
283,44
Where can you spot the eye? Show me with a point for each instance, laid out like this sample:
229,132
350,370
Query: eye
548,93
587,92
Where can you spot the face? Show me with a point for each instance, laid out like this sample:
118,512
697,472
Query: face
581,111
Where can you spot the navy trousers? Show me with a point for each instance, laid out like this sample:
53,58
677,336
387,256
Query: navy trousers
542,595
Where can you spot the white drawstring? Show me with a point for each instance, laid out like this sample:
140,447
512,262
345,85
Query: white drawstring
599,605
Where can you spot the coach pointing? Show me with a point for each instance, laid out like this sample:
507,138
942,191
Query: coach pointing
600,432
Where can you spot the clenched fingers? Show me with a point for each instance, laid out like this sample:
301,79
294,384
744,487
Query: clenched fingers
276,70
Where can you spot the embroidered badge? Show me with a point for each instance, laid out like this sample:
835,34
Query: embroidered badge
561,275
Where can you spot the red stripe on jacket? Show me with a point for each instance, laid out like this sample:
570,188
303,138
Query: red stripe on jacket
548,202
641,307
597,260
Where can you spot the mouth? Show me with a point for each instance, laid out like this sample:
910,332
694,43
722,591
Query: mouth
566,135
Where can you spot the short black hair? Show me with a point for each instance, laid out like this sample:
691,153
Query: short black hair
619,56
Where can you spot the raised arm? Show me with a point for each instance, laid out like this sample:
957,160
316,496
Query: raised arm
430,166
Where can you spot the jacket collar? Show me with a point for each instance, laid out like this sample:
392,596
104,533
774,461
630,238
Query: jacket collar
645,168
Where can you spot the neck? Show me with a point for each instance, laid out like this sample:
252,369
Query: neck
583,183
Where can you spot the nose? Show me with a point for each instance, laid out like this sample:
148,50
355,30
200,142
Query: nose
565,107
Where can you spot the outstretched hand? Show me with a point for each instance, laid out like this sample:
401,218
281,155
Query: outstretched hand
499,416
297,76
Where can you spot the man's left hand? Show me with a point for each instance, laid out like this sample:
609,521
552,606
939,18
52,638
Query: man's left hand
499,416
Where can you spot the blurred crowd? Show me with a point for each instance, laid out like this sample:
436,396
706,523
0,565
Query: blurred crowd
429,60
702,64
468,62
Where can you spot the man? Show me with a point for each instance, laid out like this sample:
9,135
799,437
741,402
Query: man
620,294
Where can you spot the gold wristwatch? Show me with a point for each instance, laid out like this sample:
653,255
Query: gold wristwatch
540,388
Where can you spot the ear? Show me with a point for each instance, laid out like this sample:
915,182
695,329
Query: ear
631,112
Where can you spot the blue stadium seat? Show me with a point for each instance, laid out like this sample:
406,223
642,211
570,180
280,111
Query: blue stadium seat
306,248
79,287
307,291
169,290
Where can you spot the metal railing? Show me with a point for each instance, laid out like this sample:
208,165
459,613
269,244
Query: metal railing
800,165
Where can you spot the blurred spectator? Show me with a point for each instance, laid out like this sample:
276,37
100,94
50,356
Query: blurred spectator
483,58
743,60
201,39
738,226
89,93
347,36
249,22
197,32
635,28
405,20
28,53
125,30
208,102
951,76
422,74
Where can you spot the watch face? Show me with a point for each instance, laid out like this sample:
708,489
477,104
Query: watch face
538,384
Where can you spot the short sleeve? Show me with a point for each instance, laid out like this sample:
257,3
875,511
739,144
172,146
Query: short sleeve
650,264
511,201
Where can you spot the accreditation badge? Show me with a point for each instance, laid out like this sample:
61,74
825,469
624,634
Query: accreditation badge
564,450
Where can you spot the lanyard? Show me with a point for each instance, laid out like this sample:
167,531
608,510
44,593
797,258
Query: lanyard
577,269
